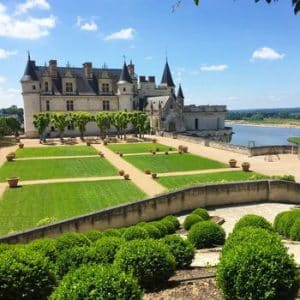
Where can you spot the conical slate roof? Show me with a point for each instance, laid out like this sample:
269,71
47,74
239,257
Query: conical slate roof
125,74
180,93
29,73
167,76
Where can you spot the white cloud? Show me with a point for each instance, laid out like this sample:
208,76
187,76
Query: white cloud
214,68
2,79
86,25
267,53
23,8
10,97
29,28
6,53
123,34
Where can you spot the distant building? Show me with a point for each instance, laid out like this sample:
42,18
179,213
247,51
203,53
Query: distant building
66,89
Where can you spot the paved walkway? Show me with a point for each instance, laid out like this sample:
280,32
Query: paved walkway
143,181
195,172
288,163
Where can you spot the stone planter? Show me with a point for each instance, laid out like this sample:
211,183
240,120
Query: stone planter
88,143
148,172
21,145
232,163
154,175
245,166
153,152
126,176
166,153
121,154
121,172
13,181
185,149
10,157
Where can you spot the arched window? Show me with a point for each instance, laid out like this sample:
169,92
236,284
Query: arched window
196,124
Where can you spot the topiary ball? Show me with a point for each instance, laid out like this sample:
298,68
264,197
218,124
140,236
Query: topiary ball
182,250
255,265
134,233
113,232
284,221
171,228
173,220
97,282
206,234
161,227
25,274
94,235
71,239
149,261
47,247
253,221
201,212
152,231
295,231
190,220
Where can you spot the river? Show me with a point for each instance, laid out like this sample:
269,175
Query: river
262,135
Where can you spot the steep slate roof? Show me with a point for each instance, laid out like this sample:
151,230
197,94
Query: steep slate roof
125,74
167,76
180,93
29,73
155,101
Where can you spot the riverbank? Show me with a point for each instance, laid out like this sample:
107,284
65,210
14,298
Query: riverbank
261,124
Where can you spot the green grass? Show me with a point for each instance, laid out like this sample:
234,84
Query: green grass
23,207
175,182
55,151
294,140
57,168
173,162
137,147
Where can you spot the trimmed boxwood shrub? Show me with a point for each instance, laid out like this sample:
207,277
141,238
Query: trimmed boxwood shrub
190,220
171,228
161,227
201,212
149,261
173,220
25,274
182,250
97,282
104,250
134,233
94,235
113,232
284,221
206,234
46,247
295,231
4,247
255,265
71,239
253,221
152,231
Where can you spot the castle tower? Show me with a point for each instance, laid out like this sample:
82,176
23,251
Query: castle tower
31,97
125,90
167,79
180,96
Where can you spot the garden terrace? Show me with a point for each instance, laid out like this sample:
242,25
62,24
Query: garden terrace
139,148
57,168
48,151
23,207
173,162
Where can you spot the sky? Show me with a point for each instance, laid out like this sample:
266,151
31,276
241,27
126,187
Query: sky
230,52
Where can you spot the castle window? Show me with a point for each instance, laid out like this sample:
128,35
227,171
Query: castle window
105,105
47,105
196,124
105,88
69,87
124,89
46,86
70,105
33,87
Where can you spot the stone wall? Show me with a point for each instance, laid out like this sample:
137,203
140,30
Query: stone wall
170,203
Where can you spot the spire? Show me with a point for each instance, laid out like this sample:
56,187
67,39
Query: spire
180,93
167,76
29,73
125,74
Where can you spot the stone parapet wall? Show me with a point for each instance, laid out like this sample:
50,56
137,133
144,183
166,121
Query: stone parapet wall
175,202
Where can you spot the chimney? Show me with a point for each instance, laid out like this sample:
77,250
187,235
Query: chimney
131,69
88,71
53,67
151,78
142,79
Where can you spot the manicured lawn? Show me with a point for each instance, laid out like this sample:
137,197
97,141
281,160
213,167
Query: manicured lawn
173,162
175,182
57,168
294,140
138,147
23,207
55,151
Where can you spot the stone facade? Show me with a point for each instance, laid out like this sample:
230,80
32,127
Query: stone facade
66,89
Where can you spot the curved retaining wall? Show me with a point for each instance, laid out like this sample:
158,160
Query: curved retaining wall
170,203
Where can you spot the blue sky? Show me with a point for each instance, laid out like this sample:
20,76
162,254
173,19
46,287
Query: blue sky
238,53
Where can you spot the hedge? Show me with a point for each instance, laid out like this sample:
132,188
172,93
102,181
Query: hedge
201,212
284,222
94,235
71,239
295,231
46,246
152,230
134,233
173,220
253,221
190,220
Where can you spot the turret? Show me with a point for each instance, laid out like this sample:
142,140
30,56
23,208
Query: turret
167,79
180,96
125,90
31,96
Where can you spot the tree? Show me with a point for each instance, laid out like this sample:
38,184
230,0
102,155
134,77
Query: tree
103,121
120,120
41,122
142,123
295,4
13,126
60,121
81,119
3,126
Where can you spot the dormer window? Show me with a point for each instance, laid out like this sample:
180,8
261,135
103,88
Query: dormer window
46,86
69,87
33,87
124,89
105,88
